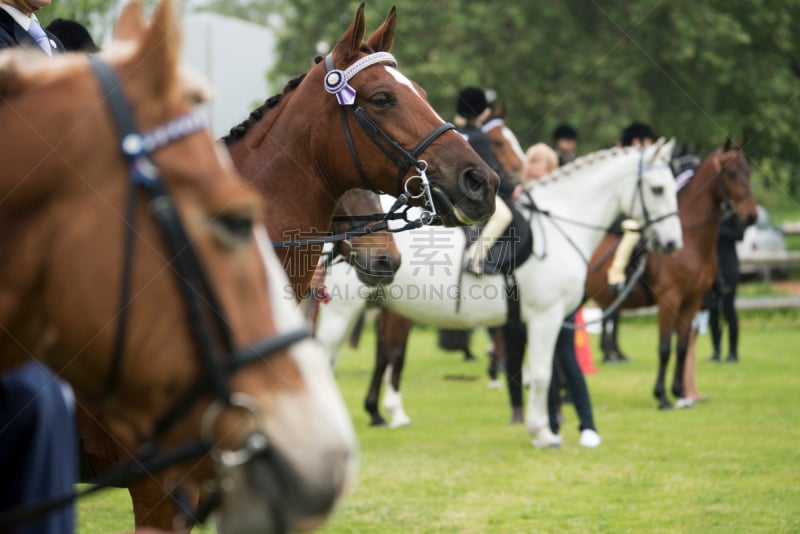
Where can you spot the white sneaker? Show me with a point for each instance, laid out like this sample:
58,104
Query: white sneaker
590,438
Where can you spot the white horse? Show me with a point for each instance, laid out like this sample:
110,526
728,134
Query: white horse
576,204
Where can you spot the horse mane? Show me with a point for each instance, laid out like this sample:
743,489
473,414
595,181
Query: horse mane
582,161
239,131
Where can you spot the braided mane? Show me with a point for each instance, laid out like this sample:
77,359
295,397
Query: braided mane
588,159
239,131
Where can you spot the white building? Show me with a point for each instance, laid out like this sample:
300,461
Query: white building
235,56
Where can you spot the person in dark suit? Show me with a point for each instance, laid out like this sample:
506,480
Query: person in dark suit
38,425
20,27
723,292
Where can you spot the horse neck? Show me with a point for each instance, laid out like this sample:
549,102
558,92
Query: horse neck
276,157
700,212
590,195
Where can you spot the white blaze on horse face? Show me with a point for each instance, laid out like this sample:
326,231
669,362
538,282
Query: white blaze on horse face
312,428
402,79
514,142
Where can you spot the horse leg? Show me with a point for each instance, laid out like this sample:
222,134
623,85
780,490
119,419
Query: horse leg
607,325
395,330
664,349
680,364
496,356
619,355
374,390
514,343
542,331
152,505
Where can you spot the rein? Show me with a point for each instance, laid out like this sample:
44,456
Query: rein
201,303
623,294
382,226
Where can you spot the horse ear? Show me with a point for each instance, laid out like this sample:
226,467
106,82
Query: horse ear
158,52
382,38
131,24
730,144
661,149
350,43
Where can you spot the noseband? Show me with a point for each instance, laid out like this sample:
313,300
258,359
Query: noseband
337,83
648,220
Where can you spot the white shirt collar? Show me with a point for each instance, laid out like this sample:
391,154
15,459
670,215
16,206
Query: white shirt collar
19,17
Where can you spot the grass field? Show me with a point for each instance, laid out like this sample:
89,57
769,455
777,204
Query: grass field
729,465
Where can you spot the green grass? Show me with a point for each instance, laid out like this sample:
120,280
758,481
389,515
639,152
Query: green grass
730,465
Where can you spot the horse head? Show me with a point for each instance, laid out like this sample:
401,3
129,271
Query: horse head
733,179
379,131
654,203
375,255
142,274
504,143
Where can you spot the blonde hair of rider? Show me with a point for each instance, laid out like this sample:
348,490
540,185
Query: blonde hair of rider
540,159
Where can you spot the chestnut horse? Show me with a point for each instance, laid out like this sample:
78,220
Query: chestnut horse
720,187
354,121
145,278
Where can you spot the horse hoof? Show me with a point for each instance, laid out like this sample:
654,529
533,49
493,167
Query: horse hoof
378,422
665,405
684,403
547,443
398,422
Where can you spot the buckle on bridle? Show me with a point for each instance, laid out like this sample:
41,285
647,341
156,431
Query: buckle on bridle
428,208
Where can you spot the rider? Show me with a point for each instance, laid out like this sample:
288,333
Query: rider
472,109
641,135
565,141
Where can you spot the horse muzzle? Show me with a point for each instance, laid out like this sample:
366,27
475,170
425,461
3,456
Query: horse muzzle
267,494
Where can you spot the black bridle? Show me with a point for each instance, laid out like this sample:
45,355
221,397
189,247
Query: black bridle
336,83
648,220
209,327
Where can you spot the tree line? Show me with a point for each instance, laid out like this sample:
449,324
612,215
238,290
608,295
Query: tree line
699,71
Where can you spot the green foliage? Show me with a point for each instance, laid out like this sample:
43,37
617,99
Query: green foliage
697,71
728,465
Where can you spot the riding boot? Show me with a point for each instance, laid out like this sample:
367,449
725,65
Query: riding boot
494,229
616,273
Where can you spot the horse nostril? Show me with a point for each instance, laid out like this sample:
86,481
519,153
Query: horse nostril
473,184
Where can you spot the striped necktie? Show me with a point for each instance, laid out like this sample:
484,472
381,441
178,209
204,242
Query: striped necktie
40,36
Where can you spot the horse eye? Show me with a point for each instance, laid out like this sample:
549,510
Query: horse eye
382,100
237,226
658,190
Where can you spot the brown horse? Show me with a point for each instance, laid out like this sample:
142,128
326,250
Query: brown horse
144,277
719,187
374,255
304,148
